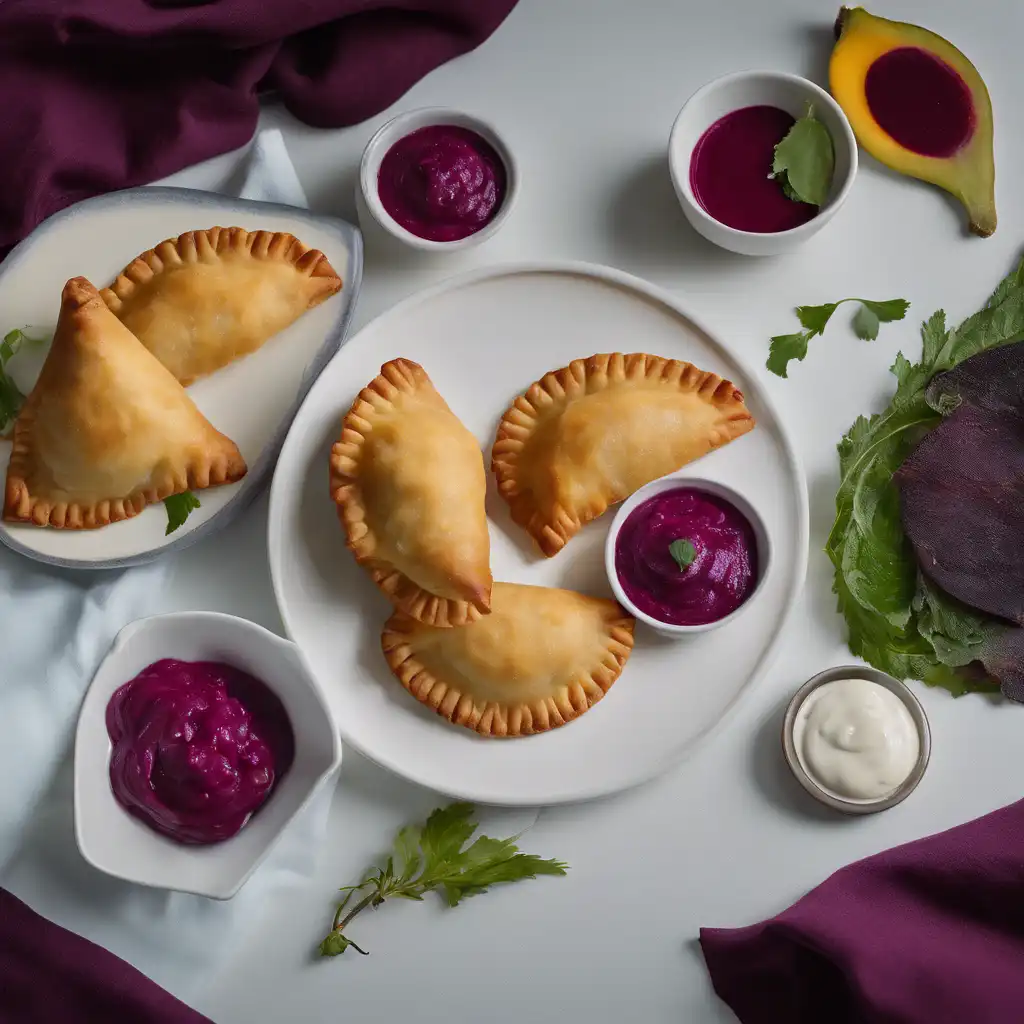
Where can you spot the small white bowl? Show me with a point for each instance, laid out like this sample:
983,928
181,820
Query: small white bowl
118,844
746,89
719,490
404,124
834,800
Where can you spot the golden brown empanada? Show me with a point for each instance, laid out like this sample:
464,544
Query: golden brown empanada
409,482
588,435
201,300
107,430
540,659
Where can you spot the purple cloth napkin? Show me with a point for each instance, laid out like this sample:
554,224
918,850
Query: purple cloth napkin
927,933
100,95
48,974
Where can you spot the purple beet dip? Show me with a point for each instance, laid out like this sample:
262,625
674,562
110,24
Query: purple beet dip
920,101
721,576
442,182
197,748
729,171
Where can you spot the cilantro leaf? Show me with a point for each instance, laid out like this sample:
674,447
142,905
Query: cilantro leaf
805,160
11,398
896,620
786,347
434,857
179,508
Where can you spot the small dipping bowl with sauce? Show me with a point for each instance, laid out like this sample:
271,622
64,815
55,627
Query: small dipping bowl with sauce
720,157
437,179
201,737
685,554
856,739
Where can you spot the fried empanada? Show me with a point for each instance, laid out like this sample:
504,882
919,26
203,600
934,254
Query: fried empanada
409,482
588,435
107,430
204,299
540,659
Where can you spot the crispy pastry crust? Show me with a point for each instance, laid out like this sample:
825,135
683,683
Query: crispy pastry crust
346,472
316,280
552,524
81,341
408,644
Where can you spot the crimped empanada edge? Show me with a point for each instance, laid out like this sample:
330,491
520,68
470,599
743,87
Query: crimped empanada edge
501,720
521,418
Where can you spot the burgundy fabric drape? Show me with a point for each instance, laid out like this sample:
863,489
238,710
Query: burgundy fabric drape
98,95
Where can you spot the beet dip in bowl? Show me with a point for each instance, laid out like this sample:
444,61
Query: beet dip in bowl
685,554
722,153
438,179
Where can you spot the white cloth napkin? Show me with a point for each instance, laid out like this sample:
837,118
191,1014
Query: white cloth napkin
55,628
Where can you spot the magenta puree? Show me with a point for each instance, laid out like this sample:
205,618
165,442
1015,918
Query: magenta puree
729,171
920,101
719,579
442,182
197,747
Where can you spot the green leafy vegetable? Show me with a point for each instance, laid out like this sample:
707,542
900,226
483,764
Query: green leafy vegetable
11,397
683,552
805,161
785,348
897,621
434,857
179,508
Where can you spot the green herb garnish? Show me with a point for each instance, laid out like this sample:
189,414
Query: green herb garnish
11,398
787,347
435,857
179,508
897,621
683,552
805,161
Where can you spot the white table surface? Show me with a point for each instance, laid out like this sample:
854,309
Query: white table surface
586,92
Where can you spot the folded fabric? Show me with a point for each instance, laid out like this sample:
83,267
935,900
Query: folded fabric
105,94
51,974
927,933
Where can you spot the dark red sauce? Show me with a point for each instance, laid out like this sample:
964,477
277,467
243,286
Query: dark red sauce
442,182
729,172
920,101
196,748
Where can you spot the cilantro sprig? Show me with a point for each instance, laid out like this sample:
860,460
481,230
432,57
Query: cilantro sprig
434,857
787,347
805,161
11,398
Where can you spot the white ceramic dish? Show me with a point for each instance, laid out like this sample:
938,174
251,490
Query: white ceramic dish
112,840
834,800
483,338
685,478
398,127
252,401
751,88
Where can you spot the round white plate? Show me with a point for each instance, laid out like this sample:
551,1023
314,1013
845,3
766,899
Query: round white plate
484,338
252,400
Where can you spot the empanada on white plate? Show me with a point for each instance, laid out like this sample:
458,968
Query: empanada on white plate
107,429
540,659
409,482
206,298
588,435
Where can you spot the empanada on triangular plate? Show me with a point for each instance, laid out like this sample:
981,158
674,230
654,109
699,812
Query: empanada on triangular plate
204,299
540,659
409,482
588,435
107,430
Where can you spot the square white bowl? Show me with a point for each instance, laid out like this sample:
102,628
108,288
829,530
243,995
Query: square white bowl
115,842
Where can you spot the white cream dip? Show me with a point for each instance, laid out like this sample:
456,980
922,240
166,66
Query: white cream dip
856,739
